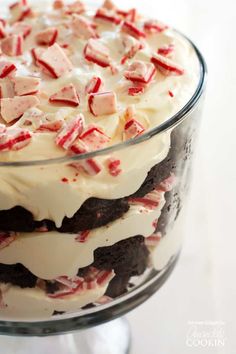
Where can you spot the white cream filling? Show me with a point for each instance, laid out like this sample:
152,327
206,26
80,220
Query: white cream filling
35,304
52,254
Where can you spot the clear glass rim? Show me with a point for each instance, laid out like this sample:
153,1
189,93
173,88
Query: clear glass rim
170,123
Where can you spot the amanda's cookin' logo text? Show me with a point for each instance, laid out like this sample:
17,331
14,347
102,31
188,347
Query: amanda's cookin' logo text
205,334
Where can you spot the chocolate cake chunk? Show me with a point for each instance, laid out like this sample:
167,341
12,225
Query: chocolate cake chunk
17,274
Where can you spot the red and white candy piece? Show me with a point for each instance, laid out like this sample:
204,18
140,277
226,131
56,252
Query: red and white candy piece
166,50
94,138
47,36
166,66
13,108
150,201
83,28
12,45
14,139
75,8
153,240
132,46
168,184
6,237
67,96
58,4
107,16
6,88
19,11
153,26
21,28
6,69
36,54
102,103
90,166
135,91
133,128
79,147
132,15
93,85
82,236
51,126
97,53
140,71
109,5
26,85
68,134
2,31
129,28
113,166
55,61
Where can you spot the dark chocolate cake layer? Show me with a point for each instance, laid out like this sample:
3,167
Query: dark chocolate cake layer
127,258
98,212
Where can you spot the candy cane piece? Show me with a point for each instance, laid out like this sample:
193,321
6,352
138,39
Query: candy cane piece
13,45
97,53
67,95
13,108
55,61
102,103
166,66
47,37
26,85
68,134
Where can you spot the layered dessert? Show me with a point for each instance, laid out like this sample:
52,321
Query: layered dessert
80,230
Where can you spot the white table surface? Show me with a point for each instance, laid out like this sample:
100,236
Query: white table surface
202,288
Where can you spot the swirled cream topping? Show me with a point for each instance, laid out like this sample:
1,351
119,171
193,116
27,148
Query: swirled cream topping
75,80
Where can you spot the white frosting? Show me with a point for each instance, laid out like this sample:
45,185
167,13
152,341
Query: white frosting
35,304
51,254
40,189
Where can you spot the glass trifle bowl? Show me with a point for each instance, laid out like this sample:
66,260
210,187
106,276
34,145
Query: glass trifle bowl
100,112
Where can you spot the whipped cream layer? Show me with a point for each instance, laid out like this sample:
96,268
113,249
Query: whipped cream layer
17,303
49,255
41,189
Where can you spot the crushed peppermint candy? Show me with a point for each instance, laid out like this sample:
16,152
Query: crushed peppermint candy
133,128
70,132
21,28
153,240
54,61
26,85
82,236
13,139
6,237
153,26
140,71
83,28
97,53
94,138
94,279
132,46
14,108
12,45
166,50
19,11
129,28
67,95
47,36
76,7
150,201
107,16
7,89
102,103
94,85
114,166
6,69
166,66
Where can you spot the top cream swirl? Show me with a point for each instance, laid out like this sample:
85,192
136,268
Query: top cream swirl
40,189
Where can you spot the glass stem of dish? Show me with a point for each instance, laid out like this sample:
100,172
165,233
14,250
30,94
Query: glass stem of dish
110,338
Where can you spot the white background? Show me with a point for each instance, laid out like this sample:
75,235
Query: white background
203,285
